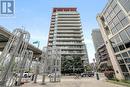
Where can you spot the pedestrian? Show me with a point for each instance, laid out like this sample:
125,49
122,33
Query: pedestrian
97,75
32,77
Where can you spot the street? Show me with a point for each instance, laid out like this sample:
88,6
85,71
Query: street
72,82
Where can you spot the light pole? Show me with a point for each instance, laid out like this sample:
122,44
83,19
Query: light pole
95,70
37,64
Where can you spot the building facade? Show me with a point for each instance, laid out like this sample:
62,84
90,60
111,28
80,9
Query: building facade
97,38
114,23
66,33
103,59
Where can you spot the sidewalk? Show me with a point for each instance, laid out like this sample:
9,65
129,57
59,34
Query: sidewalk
71,82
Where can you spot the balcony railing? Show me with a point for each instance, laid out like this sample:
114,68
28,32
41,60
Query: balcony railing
79,39
64,43
69,35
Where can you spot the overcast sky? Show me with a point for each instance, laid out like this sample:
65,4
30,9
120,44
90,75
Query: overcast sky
35,16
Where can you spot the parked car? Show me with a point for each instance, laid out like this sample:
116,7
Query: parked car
89,74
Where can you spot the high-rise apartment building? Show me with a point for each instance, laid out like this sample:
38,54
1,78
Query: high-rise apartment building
97,38
66,33
114,23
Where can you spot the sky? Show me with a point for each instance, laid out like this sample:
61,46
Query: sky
35,16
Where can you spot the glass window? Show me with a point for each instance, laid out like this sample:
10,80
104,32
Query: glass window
129,52
106,14
117,9
109,9
125,22
121,61
117,38
123,68
129,66
121,15
113,43
118,26
115,21
124,37
121,46
113,4
125,54
127,45
116,49
114,30
111,25
112,14
108,19
118,57
125,4
127,60
122,1
128,30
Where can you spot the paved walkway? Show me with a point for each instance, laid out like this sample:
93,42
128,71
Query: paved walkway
71,82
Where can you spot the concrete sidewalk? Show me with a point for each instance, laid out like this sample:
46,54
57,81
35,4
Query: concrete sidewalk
71,82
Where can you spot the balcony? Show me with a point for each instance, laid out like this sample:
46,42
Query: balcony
69,35
65,43
69,25
72,48
51,36
69,16
70,28
72,53
50,40
69,22
51,32
69,39
74,32
69,19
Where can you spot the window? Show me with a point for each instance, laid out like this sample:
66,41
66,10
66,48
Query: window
112,14
129,52
118,26
117,9
127,60
113,43
115,21
122,1
125,54
124,37
111,25
125,4
123,68
117,38
118,57
121,46
108,19
105,15
125,22
129,66
116,49
114,30
109,9
113,4
128,30
121,15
